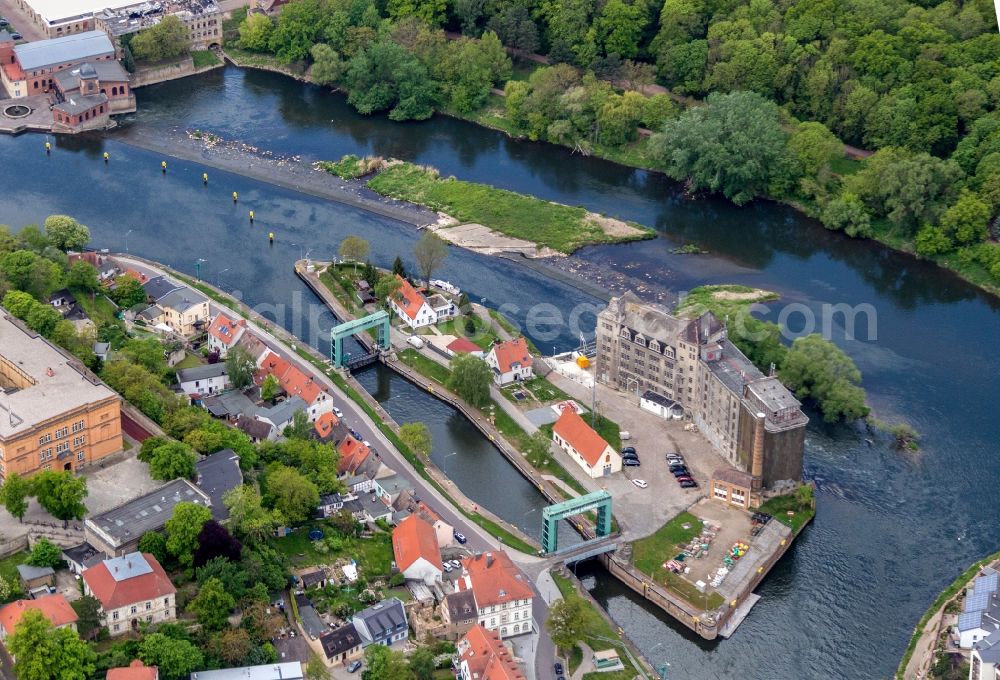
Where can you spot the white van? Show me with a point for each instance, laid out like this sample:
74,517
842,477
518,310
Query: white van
415,341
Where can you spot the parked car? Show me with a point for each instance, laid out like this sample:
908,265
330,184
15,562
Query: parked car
689,484
631,462
337,412
367,443
676,466
628,449
447,567
684,478
354,667
558,668
4,22
460,538
356,435
630,455
641,483
683,472
455,563
16,36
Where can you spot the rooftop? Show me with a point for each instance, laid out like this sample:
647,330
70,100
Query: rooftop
649,320
136,670
461,606
218,474
181,300
408,299
80,103
77,47
137,17
464,346
125,580
511,352
581,436
290,670
384,618
412,539
989,648
339,641
495,579
149,512
486,656
732,476
203,372
39,381
105,71
282,412
55,608
225,330
29,573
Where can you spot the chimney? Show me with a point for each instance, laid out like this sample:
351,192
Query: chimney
489,560
757,464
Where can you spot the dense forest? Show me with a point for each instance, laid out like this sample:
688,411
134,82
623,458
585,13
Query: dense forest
750,99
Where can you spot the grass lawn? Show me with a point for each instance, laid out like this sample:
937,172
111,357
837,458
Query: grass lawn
649,554
374,554
8,570
190,361
425,366
352,167
596,627
262,60
340,282
204,58
725,301
779,506
845,166
483,336
543,390
98,309
561,227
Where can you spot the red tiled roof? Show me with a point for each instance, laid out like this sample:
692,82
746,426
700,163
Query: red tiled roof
580,435
225,330
293,381
352,455
324,425
487,657
135,671
464,346
412,539
512,352
408,299
54,607
495,579
114,594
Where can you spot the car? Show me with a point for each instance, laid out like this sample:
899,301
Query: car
674,459
683,472
683,479
447,567
356,434
354,667
641,483
16,36
460,538
4,22
367,443
626,456
631,462
674,456
689,484
340,414
628,449
558,668
455,563
676,466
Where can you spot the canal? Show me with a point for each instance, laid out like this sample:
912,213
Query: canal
892,528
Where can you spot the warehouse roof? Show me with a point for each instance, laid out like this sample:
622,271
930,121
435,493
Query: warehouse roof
76,47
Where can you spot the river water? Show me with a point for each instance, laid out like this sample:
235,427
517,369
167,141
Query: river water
892,528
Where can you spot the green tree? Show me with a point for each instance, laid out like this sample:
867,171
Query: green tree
471,379
178,424
240,366
931,241
967,220
730,145
45,553
88,616
383,663
247,516
817,369
43,652
388,285
212,605
291,494
397,268
300,426
814,147
83,276
431,12
183,528
165,40
19,303
60,493
233,646
31,273
299,27
171,460
848,213
620,26
154,543
384,76
567,622
43,319
417,437
65,233
430,252
315,670
127,292
269,388
353,249
327,66
175,659
14,494
422,664
255,32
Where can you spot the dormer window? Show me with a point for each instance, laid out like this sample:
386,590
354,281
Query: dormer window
641,341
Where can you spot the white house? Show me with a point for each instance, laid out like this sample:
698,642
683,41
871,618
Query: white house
668,409
415,548
587,448
511,362
224,333
381,624
984,663
412,307
980,610
503,593
204,380
133,590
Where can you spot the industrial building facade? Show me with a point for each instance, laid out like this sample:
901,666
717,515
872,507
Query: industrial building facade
752,419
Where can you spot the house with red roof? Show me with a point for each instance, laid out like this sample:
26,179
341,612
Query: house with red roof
481,655
224,333
415,548
415,310
295,383
502,591
511,362
136,670
54,607
588,449
352,454
464,346
329,429
132,589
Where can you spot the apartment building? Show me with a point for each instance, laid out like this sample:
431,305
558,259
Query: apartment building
54,413
750,418
133,589
502,593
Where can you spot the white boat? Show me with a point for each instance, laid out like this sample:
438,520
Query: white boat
446,286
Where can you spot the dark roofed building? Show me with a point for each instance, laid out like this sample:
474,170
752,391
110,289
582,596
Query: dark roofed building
257,430
218,474
460,613
342,645
383,623
81,557
159,286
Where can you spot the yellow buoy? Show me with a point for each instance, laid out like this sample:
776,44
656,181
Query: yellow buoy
270,237
106,156
204,177
251,217
235,196
163,166
48,147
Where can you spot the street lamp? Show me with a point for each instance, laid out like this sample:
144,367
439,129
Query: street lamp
197,266
218,277
126,239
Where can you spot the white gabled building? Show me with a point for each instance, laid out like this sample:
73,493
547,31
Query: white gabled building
511,362
503,593
224,333
415,548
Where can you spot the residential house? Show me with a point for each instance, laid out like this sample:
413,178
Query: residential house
105,265
656,403
136,670
218,474
284,670
329,429
459,613
34,578
511,362
199,381
54,607
254,346
984,662
117,531
131,589
352,454
81,557
257,430
408,502
412,307
381,624
415,548
62,300
281,414
584,445
503,594
313,579
442,307
464,346
481,655
296,383
184,310
332,503
342,645
224,333
389,488
980,614
102,350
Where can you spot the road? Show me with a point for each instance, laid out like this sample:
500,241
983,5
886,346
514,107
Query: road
478,539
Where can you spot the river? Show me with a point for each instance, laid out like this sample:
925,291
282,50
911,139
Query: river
892,528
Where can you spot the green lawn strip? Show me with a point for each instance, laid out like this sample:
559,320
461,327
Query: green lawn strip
8,570
561,227
190,361
98,308
261,60
423,365
544,391
339,283
351,167
596,627
373,554
484,335
705,298
779,507
649,554
957,585
204,58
